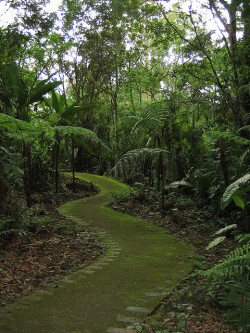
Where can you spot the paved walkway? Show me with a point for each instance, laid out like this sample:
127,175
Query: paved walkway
142,264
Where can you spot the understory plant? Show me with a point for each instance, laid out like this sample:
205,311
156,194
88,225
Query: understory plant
231,275
231,279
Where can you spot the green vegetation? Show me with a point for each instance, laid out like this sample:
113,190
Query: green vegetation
155,94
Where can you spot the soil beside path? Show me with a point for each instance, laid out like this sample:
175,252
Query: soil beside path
141,266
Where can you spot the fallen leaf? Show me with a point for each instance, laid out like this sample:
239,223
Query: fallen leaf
26,264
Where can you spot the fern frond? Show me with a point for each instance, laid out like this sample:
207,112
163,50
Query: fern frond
236,264
129,162
13,125
243,238
230,137
151,117
69,130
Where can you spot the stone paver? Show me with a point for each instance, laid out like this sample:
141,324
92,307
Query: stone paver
68,281
130,320
43,292
150,294
138,310
31,298
159,288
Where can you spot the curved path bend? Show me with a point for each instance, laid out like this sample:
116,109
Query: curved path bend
142,264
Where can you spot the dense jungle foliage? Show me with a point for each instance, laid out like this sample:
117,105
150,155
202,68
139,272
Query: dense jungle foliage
154,93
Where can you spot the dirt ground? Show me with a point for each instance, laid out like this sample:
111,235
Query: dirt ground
52,247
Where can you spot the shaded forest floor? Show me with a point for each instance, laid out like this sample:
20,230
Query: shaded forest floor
49,248
55,246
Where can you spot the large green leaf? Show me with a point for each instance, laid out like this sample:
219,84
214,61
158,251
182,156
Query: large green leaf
39,92
41,83
56,103
233,189
20,91
72,110
215,242
178,183
239,201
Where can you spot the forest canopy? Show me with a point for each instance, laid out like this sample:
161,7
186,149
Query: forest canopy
162,85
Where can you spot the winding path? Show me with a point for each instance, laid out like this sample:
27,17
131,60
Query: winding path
142,264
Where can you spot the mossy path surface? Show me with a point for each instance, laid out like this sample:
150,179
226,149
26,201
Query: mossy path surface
142,264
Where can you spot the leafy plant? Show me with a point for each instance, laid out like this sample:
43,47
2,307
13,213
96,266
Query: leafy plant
233,275
220,239
235,192
230,137
130,163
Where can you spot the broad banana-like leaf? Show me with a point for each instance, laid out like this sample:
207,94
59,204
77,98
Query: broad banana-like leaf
41,83
72,110
234,189
178,183
39,92
56,103
20,91
215,242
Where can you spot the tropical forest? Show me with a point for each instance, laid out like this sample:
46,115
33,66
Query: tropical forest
124,166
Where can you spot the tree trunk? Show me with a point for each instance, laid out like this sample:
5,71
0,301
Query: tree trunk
27,174
57,151
160,167
223,162
164,167
73,160
115,108
150,174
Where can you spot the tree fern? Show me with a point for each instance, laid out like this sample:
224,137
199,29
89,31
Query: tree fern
15,125
230,137
68,130
151,117
131,162
235,265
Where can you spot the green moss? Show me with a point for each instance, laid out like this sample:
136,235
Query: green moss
91,304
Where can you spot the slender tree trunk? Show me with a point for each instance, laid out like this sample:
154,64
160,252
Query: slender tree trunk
131,89
27,175
116,133
57,151
73,160
163,179
223,162
150,175
159,166
115,107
